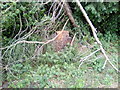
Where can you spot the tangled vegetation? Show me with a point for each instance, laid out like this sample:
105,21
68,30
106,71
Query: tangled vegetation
29,60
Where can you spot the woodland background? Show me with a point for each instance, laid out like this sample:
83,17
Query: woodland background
72,67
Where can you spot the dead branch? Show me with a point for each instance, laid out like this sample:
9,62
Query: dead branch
71,44
83,59
95,35
69,12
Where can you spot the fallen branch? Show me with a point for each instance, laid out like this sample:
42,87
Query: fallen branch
34,42
95,35
83,59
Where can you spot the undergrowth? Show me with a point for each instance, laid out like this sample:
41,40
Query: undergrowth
53,70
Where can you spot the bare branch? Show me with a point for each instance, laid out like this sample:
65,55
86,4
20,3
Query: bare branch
95,35
83,59
73,40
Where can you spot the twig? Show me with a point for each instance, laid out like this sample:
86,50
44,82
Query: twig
95,35
26,27
50,8
83,59
59,12
8,8
32,42
18,34
93,60
14,43
71,44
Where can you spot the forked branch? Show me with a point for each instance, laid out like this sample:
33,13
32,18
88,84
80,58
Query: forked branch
95,35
